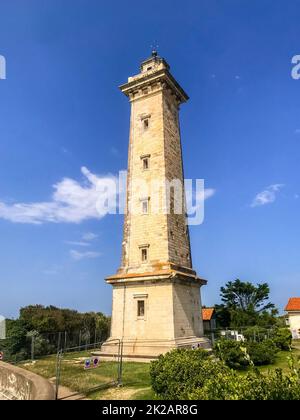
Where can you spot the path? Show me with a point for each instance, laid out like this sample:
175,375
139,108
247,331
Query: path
66,394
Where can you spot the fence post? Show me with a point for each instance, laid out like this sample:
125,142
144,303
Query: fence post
32,348
120,369
59,342
58,372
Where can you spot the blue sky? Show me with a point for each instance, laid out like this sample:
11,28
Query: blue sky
61,111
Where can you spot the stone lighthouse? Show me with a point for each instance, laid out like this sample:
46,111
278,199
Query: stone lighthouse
156,293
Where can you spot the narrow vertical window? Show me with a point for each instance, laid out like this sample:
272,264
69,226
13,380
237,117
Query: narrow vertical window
144,254
145,120
141,308
145,206
146,124
145,163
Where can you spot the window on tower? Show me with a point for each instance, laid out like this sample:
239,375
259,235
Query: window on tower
145,206
145,163
141,308
146,124
144,254
145,120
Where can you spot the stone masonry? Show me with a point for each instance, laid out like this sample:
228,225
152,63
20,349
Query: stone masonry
156,293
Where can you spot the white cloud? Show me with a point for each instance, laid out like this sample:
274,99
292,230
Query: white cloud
72,202
209,192
77,256
195,199
267,196
198,197
85,241
77,243
89,236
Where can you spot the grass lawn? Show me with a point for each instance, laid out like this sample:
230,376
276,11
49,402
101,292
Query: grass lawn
281,360
136,378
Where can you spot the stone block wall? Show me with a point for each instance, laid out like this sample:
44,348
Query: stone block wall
19,384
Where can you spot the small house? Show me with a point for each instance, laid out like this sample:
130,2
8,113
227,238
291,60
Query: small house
209,319
293,316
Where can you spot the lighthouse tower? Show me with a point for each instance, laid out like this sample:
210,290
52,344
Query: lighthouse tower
156,293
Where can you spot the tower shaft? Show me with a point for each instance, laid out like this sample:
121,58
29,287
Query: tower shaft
156,292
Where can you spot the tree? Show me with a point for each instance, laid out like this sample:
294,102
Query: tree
50,319
16,343
223,316
248,304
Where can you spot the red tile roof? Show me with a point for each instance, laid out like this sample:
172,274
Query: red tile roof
293,305
207,313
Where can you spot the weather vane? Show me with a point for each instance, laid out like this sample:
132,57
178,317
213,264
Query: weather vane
154,48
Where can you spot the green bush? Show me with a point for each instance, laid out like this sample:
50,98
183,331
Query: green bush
282,338
192,374
179,370
42,346
232,353
229,385
239,355
263,353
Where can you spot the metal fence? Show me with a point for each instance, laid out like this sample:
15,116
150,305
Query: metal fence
33,346
84,370
255,334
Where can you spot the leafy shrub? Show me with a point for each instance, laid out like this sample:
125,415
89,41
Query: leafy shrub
231,353
192,374
282,338
42,346
15,345
180,370
229,385
238,355
263,353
